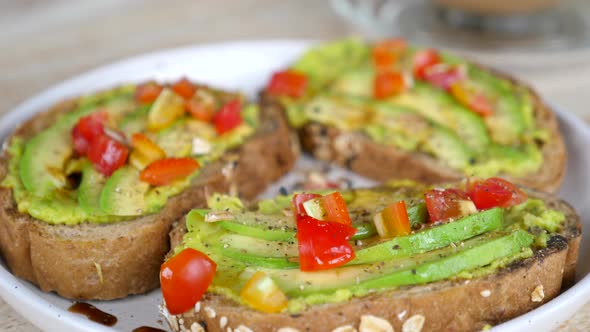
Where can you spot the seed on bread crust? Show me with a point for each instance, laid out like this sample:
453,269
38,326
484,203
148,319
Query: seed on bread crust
345,328
243,328
370,323
485,293
222,322
414,324
538,294
196,327
287,329
210,312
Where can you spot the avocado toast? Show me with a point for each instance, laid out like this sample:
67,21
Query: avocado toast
390,110
418,258
91,187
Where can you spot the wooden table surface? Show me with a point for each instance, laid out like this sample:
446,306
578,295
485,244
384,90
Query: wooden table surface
46,41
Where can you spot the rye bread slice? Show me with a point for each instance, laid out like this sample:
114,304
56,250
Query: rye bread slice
109,261
461,305
357,152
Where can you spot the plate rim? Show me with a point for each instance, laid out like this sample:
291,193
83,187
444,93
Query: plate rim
19,297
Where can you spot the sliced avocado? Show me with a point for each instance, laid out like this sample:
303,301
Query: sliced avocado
513,113
124,194
324,63
90,190
433,238
298,283
44,156
447,146
438,106
341,112
465,260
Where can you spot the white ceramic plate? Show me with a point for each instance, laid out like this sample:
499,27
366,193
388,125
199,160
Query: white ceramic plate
246,66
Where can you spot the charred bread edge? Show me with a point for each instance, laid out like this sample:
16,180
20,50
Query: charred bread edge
493,299
109,261
360,154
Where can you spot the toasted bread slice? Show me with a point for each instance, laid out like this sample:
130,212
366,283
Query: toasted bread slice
357,152
109,261
459,305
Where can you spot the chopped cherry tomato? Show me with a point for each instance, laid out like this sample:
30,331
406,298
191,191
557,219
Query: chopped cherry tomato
393,221
148,93
495,192
287,83
228,117
331,207
144,151
323,244
87,129
443,76
387,84
423,60
202,106
262,293
475,101
386,53
184,279
164,171
299,199
184,88
446,204
107,154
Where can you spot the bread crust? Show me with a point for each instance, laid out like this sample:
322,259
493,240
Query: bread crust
110,261
362,155
460,305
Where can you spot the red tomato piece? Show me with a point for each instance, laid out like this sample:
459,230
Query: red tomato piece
445,204
387,84
107,154
443,76
287,83
495,192
184,88
423,60
386,53
322,244
164,171
87,129
299,199
228,117
184,279
148,93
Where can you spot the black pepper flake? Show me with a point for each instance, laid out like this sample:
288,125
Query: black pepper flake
283,191
413,271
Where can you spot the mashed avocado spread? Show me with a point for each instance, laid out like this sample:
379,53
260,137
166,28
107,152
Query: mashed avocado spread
52,180
244,241
482,124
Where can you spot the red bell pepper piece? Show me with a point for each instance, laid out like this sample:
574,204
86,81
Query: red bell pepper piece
322,244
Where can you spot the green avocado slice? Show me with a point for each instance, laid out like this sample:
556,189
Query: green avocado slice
298,283
433,238
90,190
124,194
466,260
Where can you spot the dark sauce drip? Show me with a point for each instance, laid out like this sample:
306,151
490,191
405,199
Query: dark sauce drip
93,313
148,329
